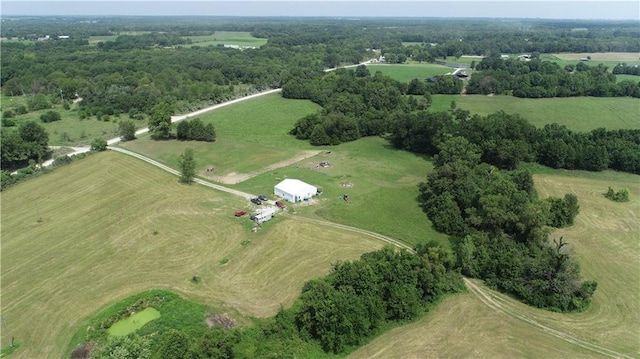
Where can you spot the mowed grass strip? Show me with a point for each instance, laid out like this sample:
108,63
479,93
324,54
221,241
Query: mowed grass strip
410,71
605,243
581,114
96,245
250,135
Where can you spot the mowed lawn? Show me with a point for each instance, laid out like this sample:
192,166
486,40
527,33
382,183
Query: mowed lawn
577,113
605,243
96,245
381,182
250,135
410,71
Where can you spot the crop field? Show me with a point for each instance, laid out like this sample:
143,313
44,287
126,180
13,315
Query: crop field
82,237
238,38
605,242
408,72
577,113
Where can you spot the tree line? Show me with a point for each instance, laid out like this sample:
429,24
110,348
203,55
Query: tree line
356,104
537,79
499,228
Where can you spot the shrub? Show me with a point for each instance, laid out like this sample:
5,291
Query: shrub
38,102
620,196
50,116
7,114
98,144
21,110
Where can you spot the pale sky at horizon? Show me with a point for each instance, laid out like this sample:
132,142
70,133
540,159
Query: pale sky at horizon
568,9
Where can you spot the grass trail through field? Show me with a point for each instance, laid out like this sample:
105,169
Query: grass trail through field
499,304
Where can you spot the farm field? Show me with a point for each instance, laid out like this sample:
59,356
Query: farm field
408,72
577,113
238,38
608,59
96,245
605,242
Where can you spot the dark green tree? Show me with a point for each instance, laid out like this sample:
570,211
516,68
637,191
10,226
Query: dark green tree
160,121
127,130
187,166
99,144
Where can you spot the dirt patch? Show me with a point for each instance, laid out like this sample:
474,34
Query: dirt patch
346,184
220,320
602,56
233,177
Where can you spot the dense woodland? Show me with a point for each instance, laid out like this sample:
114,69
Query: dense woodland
477,193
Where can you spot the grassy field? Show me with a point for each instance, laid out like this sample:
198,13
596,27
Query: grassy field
577,113
378,179
70,130
96,245
381,183
607,59
605,242
408,72
250,135
94,40
238,38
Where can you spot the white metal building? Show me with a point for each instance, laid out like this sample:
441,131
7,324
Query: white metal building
294,190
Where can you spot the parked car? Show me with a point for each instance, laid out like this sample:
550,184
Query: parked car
256,200
263,197
280,204
240,213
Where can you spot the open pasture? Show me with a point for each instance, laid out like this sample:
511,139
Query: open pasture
577,113
250,135
238,38
381,183
605,243
408,72
96,245
608,59
70,130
